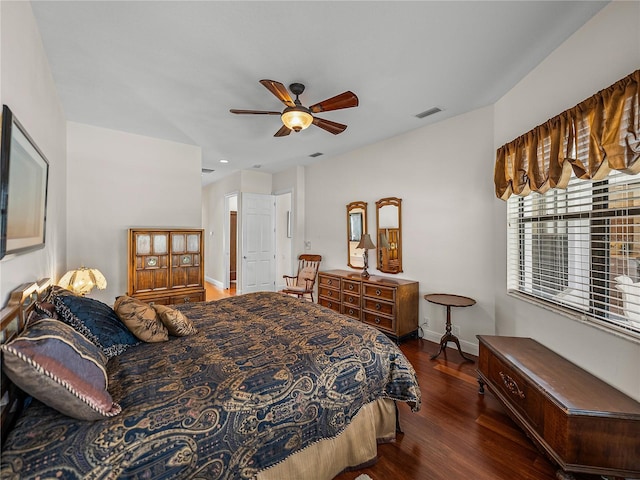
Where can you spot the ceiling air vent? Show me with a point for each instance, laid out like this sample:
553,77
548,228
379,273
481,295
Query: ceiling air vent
431,111
207,170
317,154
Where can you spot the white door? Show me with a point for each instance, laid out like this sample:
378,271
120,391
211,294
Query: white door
258,242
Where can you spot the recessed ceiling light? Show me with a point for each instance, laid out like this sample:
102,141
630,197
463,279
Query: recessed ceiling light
224,161
317,154
257,165
207,170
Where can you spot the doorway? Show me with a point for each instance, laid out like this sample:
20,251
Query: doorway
233,246
230,242
284,240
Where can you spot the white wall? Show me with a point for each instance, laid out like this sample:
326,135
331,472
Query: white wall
293,180
440,172
604,50
118,180
27,88
284,263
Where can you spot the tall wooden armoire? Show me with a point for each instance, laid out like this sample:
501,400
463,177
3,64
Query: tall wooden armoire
166,266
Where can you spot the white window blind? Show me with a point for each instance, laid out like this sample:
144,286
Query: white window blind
579,249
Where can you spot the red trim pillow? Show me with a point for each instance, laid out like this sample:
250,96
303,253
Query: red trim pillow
60,367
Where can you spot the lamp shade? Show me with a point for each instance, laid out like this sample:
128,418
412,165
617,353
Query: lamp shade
296,118
83,280
384,242
365,242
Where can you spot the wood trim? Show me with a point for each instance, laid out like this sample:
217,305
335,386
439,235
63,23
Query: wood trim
13,319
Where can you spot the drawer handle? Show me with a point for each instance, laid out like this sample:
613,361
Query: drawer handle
350,299
329,294
378,292
378,306
377,320
511,385
329,282
187,299
351,311
350,287
329,304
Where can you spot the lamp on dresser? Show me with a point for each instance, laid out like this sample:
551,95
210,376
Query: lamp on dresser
366,244
82,280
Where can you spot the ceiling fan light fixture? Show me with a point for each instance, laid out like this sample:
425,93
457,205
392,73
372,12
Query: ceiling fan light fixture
296,118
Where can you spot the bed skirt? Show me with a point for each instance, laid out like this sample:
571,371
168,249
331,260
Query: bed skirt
355,446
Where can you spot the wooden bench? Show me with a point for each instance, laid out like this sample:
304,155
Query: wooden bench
581,422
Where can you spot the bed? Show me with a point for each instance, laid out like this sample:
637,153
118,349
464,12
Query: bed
270,387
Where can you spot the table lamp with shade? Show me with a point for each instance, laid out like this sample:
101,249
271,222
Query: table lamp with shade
366,244
82,280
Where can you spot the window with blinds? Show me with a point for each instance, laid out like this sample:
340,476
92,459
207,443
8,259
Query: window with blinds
579,249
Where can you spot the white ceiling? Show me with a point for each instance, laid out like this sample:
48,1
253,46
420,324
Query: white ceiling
173,70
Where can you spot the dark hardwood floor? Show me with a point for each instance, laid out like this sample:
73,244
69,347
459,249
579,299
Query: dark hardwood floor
458,434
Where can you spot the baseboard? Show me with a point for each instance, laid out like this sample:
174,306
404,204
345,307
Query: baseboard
213,281
467,347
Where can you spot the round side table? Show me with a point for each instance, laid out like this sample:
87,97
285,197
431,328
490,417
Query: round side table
449,301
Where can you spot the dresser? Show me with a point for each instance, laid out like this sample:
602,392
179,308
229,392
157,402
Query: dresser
581,422
166,266
389,304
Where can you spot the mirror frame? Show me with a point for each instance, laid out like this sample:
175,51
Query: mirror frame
350,207
384,202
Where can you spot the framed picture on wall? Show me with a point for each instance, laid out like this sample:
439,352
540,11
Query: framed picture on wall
23,189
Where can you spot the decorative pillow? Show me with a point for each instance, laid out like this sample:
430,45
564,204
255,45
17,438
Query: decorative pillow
60,367
45,308
141,319
96,321
54,291
307,273
175,321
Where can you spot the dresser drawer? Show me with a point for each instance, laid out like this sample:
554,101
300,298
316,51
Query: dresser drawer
350,299
328,293
377,291
527,400
378,321
378,306
351,287
154,300
187,298
332,304
350,311
327,281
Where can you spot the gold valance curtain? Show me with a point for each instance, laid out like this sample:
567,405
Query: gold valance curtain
596,136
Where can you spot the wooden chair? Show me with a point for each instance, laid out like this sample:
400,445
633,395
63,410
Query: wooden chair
302,284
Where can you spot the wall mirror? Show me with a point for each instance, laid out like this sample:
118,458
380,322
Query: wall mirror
356,226
389,235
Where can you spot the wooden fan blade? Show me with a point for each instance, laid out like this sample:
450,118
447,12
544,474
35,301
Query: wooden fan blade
253,112
283,132
344,100
329,126
279,90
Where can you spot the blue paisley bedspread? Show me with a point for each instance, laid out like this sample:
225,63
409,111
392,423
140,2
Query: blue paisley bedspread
266,376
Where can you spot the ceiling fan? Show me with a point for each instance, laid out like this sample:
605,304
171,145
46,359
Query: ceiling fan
296,117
